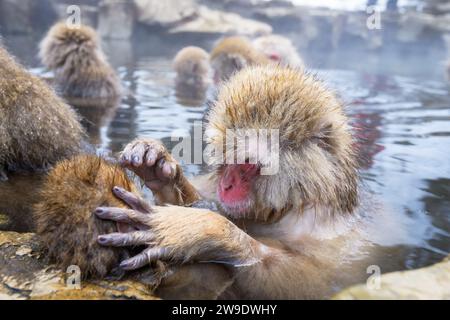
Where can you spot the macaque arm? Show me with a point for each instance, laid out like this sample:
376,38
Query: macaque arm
181,234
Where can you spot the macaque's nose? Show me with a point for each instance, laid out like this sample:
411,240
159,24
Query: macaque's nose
274,57
228,181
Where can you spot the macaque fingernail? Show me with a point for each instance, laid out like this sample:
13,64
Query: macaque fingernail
124,265
99,211
136,160
117,189
101,239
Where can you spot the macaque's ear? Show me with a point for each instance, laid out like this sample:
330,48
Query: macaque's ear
323,137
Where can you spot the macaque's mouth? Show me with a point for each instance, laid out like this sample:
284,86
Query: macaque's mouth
237,209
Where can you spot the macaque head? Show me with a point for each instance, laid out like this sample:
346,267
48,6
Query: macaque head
278,49
69,44
280,141
232,54
192,65
65,222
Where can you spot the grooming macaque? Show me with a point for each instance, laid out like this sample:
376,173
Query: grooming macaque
37,128
232,54
289,234
279,49
80,67
192,67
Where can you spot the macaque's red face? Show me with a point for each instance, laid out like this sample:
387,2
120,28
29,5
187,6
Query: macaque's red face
235,188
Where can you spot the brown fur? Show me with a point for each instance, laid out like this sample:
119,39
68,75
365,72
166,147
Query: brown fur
232,54
192,67
37,128
299,230
80,66
312,127
64,217
68,230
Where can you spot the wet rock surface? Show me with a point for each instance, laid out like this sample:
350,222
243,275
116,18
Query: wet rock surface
25,274
426,283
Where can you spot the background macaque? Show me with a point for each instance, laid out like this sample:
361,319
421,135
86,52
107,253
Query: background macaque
285,235
80,66
37,128
192,67
232,54
279,49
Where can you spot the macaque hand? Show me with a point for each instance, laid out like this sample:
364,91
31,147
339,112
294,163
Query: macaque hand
151,161
177,235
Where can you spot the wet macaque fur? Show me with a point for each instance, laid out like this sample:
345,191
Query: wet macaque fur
64,220
78,62
286,235
232,54
68,229
37,128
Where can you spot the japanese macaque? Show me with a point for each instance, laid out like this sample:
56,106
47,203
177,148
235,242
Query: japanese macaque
37,128
279,49
68,229
80,67
286,233
232,54
192,67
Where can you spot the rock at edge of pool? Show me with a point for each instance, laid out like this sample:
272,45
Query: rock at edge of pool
430,283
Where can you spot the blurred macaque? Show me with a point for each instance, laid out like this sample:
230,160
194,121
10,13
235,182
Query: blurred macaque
80,67
232,54
279,49
68,229
191,65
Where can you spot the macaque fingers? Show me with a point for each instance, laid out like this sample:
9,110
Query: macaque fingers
135,238
147,257
132,200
